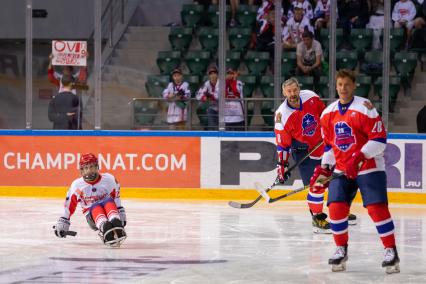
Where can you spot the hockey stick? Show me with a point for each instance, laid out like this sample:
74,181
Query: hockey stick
251,204
68,233
264,193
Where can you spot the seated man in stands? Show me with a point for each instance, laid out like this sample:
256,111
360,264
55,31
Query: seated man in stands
309,54
296,25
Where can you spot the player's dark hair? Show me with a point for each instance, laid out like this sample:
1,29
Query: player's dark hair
346,73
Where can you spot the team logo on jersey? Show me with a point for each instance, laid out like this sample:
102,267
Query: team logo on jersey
344,137
278,117
309,125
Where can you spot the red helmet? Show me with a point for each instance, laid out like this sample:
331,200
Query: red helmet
88,158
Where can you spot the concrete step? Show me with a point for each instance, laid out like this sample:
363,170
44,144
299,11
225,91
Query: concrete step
402,129
157,45
148,29
146,36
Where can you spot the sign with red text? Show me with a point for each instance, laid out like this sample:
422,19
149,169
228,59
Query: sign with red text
72,53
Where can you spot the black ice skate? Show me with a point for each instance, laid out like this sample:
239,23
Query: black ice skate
338,260
351,219
391,261
320,224
107,233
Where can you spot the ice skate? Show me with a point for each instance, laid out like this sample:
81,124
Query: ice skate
352,219
338,260
320,224
391,261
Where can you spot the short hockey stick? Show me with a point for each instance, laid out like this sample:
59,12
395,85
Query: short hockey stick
251,204
265,195
69,233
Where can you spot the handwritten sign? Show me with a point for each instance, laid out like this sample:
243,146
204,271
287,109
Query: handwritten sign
69,53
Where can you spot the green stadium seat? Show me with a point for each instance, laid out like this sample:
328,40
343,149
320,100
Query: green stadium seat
213,15
192,14
202,114
156,84
373,63
394,87
246,15
289,63
323,87
256,62
363,86
239,38
267,86
405,64
346,60
194,83
306,82
396,39
233,59
144,112
197,61
249,84
168,60
180,38
208,38
361,39
324,38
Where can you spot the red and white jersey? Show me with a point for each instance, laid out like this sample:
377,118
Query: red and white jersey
307,9
293,30
211,91
87,194
404,11
351,128
301,124
174,112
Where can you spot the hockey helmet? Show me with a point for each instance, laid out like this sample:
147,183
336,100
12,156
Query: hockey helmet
88,158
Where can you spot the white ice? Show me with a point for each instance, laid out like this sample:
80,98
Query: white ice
201,242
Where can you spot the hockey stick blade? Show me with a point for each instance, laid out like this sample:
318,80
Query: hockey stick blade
238,205
262,192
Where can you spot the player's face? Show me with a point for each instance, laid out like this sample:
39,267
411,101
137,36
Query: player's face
345,88
291,92
90,171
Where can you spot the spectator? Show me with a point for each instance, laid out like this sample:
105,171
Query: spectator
306,6
421,120
353,14
209,93
266,7
309,54
403,15
177,93
377,21
233,109
265,37
292,32
63,108
321,17
79,82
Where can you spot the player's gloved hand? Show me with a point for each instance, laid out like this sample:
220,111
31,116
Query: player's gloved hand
320,174
353,165
122,214
282,172
61,227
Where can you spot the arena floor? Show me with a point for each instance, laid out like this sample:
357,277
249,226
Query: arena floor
201,242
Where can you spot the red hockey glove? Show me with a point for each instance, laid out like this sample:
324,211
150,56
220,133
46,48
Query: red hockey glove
353,165
320,174
282,172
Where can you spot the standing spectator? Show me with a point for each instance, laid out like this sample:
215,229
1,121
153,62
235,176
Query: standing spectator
209,93
63,108
296,25
265,37
403,16
79,82
306,6
321,17
177,93
421,120
353,14
233,110
309,54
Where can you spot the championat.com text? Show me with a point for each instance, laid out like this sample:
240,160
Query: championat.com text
107,161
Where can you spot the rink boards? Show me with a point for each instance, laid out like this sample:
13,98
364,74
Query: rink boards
178,165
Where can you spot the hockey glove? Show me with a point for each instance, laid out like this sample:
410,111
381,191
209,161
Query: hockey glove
354,163
282,172
122,214
62,226
320,174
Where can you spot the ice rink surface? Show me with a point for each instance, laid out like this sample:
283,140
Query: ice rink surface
201,242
